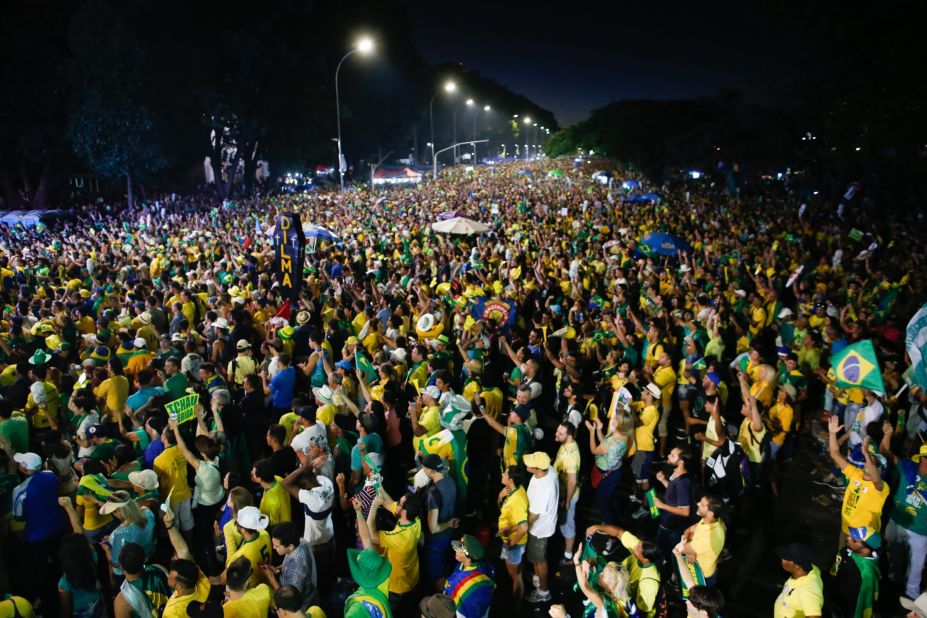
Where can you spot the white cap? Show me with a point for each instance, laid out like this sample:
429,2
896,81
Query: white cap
433,392
29,461
251,518
140,343
38,392
785,313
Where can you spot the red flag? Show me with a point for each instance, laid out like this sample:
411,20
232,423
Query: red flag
284,311
247,244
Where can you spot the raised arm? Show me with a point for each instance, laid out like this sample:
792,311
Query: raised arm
177,541
885,447
833,427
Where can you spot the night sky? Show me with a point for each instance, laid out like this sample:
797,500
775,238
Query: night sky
572,60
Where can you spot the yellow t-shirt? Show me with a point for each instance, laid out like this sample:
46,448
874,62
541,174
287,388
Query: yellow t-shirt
177,605
288,420
665,378
643,435
115,390
645,578
172,475
42,413
253,603
750,442
862,502
92,518
707,542
430,421
16,606
257,551
514,512
326,414
801,597
784,414
757,319
568,462
232,536
276,503
401,545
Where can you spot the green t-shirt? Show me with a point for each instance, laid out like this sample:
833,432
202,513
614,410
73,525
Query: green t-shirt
15,430
176,386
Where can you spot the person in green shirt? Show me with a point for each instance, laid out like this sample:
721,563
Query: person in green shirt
175,384
14,428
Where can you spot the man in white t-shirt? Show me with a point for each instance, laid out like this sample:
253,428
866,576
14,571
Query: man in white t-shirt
869,413
316,494
543,498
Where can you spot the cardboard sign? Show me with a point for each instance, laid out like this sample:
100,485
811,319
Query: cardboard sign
183,409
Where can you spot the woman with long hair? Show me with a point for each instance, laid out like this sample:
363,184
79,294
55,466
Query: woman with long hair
78,587
513,527
136,525
609,451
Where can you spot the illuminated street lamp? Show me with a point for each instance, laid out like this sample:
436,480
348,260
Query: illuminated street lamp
364,46
468,103
527,121
449,87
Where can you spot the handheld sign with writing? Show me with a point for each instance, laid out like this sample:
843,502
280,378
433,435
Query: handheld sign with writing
183,409
289,255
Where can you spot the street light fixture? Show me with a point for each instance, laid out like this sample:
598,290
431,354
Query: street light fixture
449,87
364,46
468,103
527,122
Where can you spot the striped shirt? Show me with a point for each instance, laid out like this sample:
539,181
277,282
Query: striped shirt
471,589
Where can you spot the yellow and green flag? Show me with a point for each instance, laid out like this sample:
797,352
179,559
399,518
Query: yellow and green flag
183,409
364,364
856,366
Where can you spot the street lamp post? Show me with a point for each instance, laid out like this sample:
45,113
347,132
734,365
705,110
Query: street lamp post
468,103
364,46
449,87
527,122
434,157
487,109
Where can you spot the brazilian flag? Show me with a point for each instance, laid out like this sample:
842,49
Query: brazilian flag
856,366
364,364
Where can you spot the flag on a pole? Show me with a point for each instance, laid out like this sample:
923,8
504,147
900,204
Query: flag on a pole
856,366
364,364
915,343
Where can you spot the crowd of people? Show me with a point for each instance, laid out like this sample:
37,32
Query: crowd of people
552,414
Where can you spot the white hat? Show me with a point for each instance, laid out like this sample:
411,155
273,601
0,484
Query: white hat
251,518
144,317
29,461
176,337
685,268
323,393
654,390
740,293
785,313
146,479
433,392
425,323
242,344
38,392
399,355
221,323
140,343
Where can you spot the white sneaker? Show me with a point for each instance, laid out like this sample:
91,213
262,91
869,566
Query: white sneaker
536,582
906,602
640,513
539,596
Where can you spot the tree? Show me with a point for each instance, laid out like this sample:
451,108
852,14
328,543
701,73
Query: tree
110,127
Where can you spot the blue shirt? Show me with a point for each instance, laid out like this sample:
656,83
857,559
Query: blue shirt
133,533
281,388
35,501
152,451
141,397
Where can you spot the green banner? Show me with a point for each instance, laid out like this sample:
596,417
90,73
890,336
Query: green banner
183,409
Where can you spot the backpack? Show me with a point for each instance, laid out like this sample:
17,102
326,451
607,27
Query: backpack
729,468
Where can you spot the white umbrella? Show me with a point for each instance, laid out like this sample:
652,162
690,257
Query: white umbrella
459,225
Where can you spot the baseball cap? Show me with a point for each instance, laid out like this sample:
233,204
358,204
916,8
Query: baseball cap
538,459
115,501
713,377
146,479
140,343
785,313
251,518
434,462
471,546
797,553
345,364
242,344
374,460
29,461
96,431
869,536
432,391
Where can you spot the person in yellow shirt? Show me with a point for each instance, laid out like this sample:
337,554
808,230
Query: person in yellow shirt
171,467
425,414
646,424
752,430
513,527
567,464
255,545
114,391
43,401
781,416
276,501
289,604
244,601
802,594
189,583
757,315
664,377
705,540
400,545
865,492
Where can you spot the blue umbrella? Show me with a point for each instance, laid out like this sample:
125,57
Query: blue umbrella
642,198
319,233
661,243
